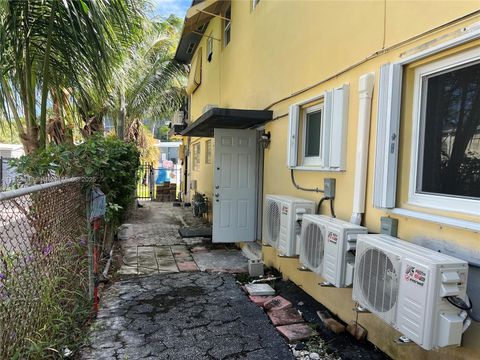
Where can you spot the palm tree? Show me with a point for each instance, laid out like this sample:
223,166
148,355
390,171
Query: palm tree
51,45
150,82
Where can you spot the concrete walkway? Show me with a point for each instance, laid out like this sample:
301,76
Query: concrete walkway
164,307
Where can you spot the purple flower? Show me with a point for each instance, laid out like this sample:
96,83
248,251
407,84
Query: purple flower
2,276
83,242
47,250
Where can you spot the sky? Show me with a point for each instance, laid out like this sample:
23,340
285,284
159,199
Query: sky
164,8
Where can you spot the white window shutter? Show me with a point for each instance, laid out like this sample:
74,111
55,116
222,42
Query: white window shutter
388,125
326,127
338,128
293,120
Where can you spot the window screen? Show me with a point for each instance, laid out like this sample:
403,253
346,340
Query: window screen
312,133
196,156
208,152
450,152
228,26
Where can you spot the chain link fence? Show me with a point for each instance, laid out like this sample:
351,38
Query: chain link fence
45,267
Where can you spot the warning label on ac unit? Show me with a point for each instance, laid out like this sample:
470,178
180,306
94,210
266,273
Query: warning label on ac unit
285,210
415,275
332,237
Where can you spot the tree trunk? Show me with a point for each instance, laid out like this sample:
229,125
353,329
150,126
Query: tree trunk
92,125
46,80
122,115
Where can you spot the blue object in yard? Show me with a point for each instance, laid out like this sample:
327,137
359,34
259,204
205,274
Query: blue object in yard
162,176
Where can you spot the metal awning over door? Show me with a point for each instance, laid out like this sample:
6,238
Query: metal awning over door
221,118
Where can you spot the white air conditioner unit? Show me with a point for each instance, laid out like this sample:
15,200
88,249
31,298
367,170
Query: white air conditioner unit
178,118
282,217
326,248
407,286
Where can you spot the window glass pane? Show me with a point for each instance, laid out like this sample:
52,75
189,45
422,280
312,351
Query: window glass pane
312,136
451,144
228,24
208,152
196,156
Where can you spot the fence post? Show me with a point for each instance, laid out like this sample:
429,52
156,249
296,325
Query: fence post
91,278
152,182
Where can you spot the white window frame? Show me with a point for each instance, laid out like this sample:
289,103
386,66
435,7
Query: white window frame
209,48
196,158
313,160
435,201
208,151
227,28
388,115
333,140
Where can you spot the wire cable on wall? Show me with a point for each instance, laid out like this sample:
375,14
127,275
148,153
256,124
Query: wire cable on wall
317,190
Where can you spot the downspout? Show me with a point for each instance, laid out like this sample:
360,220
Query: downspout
365,89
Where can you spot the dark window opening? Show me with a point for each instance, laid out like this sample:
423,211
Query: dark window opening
190,48
450,156
228,26
312,133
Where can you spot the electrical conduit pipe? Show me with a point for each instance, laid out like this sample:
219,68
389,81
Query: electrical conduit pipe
365,89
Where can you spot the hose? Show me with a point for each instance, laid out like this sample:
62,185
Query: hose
320,203
332,210
467,306
459,303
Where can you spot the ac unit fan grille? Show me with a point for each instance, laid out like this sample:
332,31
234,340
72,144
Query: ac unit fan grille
378,280
313,245
273,222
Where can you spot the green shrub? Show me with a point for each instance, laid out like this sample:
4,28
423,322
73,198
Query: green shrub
111,162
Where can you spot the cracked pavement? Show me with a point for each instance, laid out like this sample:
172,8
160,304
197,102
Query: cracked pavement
182,316
178,315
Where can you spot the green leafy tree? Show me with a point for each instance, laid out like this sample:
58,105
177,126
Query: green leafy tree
150,82
50,45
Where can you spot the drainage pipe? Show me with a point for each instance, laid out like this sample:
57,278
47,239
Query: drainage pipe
365,89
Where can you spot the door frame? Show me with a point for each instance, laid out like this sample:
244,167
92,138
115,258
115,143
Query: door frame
259,166
259,192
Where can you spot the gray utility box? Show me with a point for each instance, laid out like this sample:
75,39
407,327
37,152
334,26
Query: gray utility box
388,226
255,268
329,188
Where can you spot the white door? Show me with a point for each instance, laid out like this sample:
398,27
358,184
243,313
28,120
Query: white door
234,182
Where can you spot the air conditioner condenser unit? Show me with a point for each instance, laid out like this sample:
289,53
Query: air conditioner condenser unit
408,286
282,222
327,248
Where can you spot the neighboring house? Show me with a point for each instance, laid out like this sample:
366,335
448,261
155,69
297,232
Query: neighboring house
11,151
169,150
169,167
382,96
7,152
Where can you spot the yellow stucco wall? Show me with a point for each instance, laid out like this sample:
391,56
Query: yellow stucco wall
282,47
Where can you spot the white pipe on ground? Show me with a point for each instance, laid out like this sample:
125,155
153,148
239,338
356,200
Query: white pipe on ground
365,89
